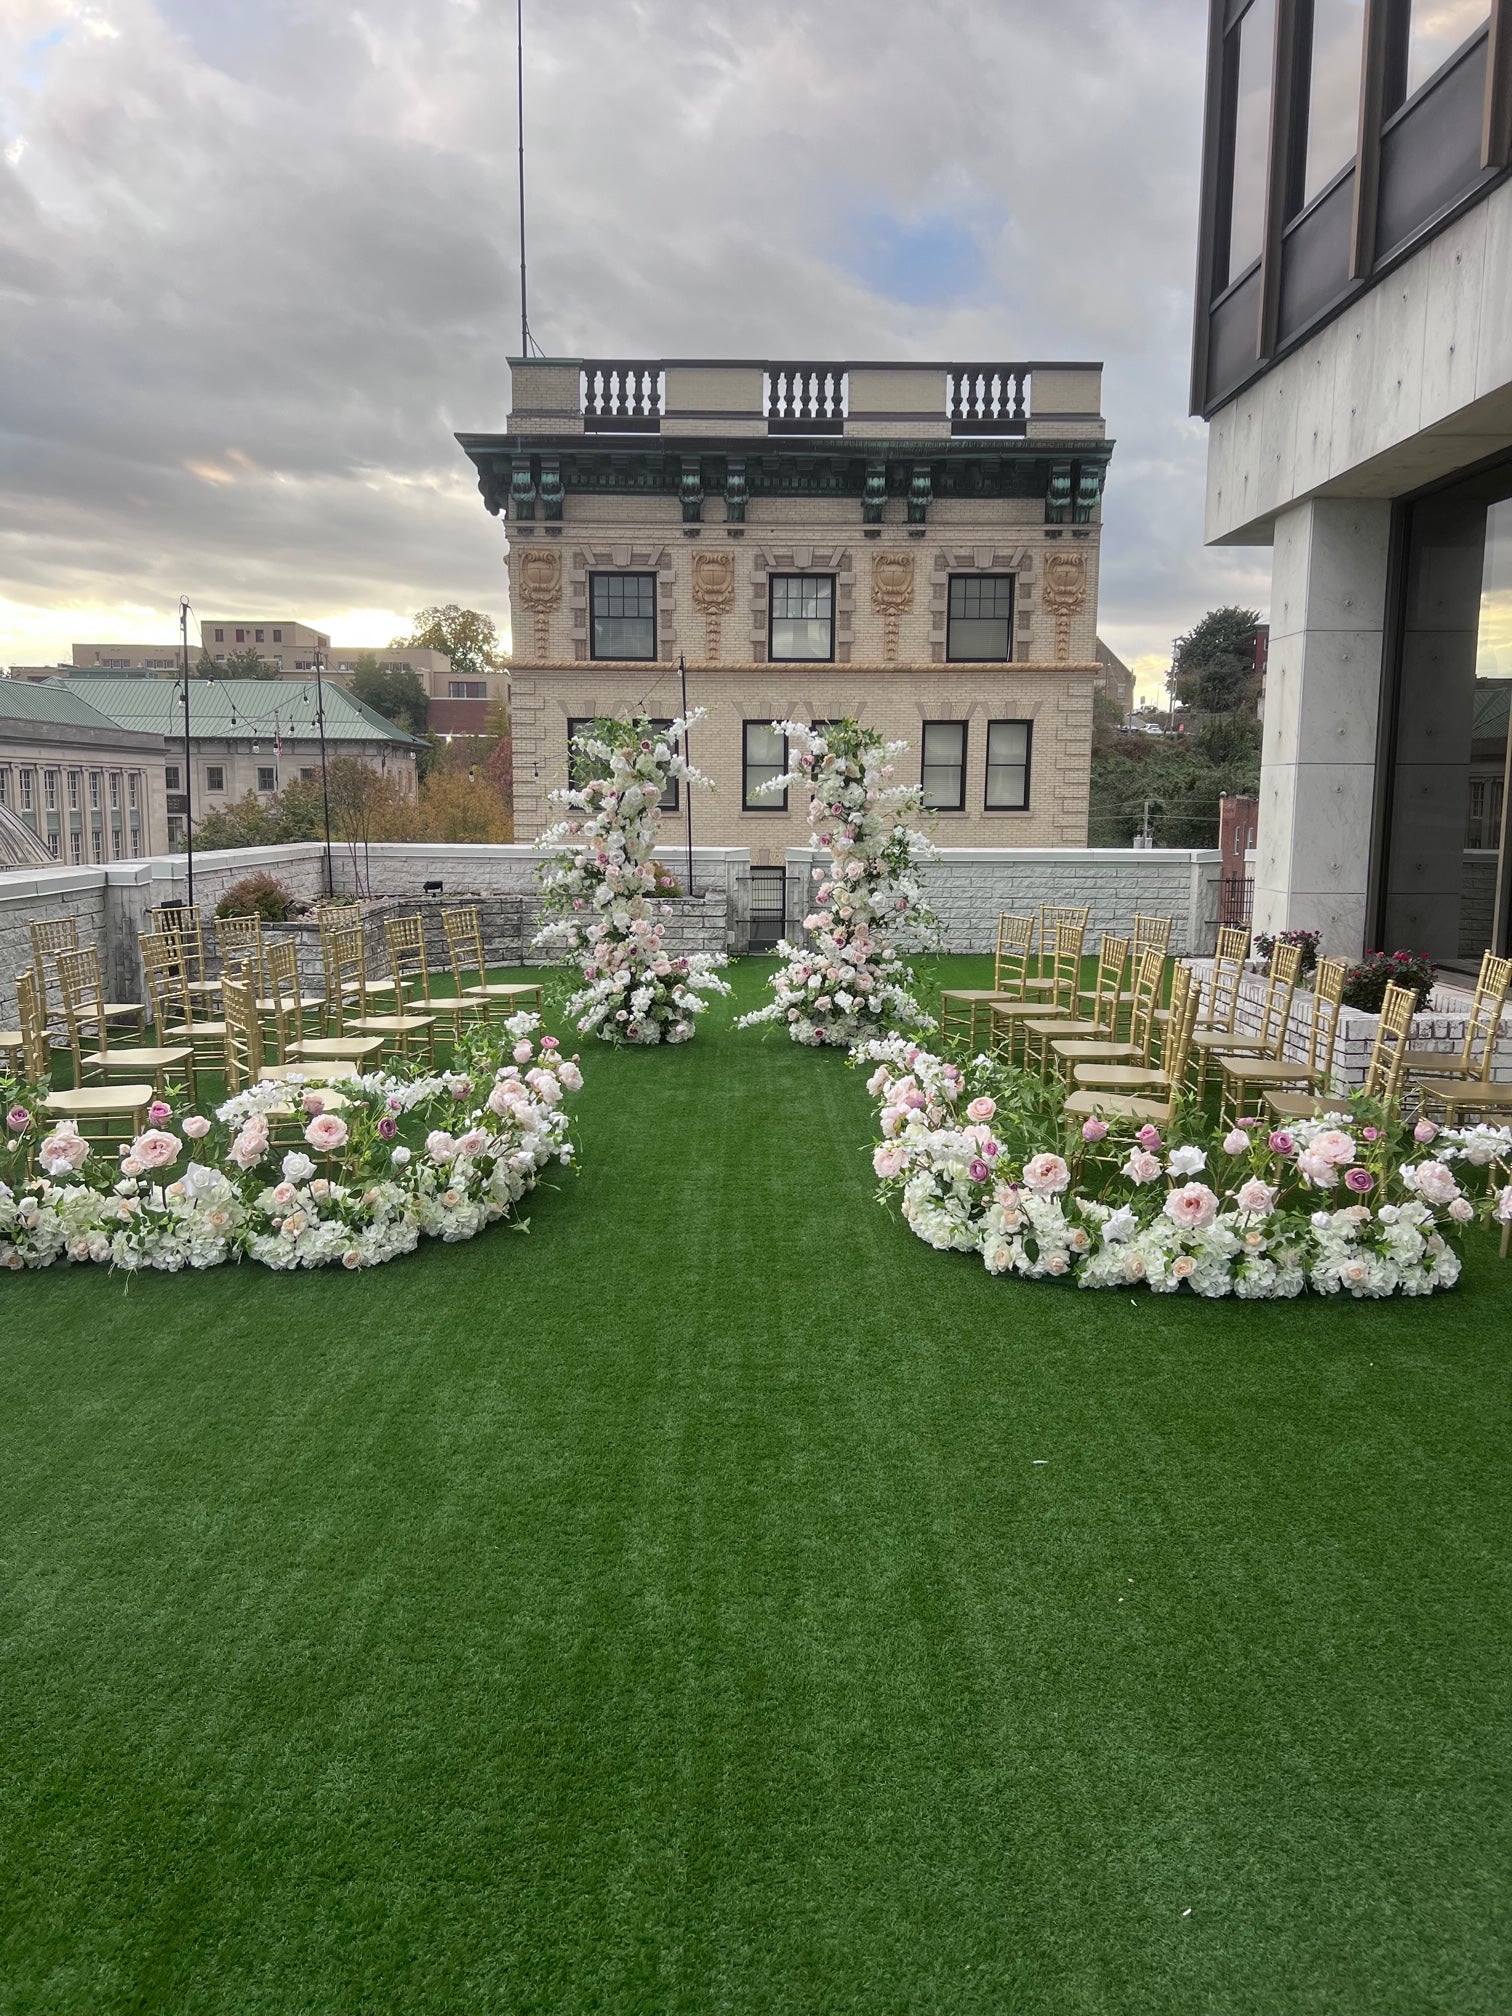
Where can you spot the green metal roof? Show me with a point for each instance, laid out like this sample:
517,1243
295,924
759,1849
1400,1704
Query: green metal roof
229,709
54,703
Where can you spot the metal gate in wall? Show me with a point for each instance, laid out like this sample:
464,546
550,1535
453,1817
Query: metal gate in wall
768,887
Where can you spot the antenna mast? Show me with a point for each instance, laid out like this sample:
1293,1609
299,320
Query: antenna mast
525,338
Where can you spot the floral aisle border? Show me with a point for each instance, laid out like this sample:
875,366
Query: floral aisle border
853,981
1254,1214
192,1192
598,888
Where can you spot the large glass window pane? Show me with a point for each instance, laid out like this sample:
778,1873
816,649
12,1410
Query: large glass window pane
1436,29
1333,94
803,616
943,774
981,617
1007,766
763,757
624,615
1251,130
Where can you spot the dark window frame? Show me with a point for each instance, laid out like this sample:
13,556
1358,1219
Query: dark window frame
1009,721
962,658
770,802
801,574
594,616
964,730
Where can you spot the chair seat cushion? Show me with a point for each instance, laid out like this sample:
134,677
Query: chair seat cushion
504,990
1092,1105
395,1025
1088,1052
1227,1041
1473,1096
338,1046
140,1057
1012,1008
1051,1027
1436,1064
189,1030
950,994
106,1100
305,1004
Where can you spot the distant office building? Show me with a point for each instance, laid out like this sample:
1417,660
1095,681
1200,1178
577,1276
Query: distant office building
1114,679
247,737
915,545
1353,356
87,789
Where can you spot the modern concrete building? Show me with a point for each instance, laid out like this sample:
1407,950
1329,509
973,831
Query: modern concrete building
246,736
1353,355
912,544
89,790
459,704
1114,678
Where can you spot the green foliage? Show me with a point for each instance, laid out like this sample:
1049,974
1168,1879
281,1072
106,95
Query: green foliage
295,814
257,896
1365,984
397,694
1309,941
1213,665
1183,783
467,637
248,663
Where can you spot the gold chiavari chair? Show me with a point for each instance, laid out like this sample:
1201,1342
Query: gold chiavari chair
1144,1076
1269,1040
1474,1059
1383,1074
334,920
83,997
1138,1047
1093,1102
463,929
240,942
1247,1077
1010,965
349,975
1148,934
245,1061
182,924
1055,918
411,968
1008,1019
1112,959
61,934
92,1108
296,1050
178,1015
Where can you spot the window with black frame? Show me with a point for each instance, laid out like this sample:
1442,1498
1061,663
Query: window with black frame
801,625
622,610
943,770
580,768
979,626
763,756
1008,747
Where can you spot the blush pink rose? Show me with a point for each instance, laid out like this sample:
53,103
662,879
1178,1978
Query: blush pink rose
156,1149
439,1145
981,1109
1462,1210
1046,1175
1318,1169
1424,1132
1142,1166
1255,1198
1235,1142
1094,1130
64,1150
522,1052
196,1127
889,1160
1333,1145
326,1133
1434,1184
1191,1207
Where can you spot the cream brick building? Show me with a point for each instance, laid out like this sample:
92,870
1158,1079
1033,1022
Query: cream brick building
914,545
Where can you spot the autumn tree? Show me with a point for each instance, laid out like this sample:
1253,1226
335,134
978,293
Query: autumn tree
395,692
468,638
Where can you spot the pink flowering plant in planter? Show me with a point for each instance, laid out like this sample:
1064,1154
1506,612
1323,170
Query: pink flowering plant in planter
1352,1203
850,981
293,1173
600,885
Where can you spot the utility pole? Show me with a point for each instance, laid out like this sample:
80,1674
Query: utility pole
325,788
188,770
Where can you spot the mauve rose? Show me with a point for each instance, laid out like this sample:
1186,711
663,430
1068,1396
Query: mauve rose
1425,1131
977,1169
1281,1143
1148,1136
1359,1180
196,1126
550,1043
18,1120
314,1103
1094,1130
388,1127
159,1112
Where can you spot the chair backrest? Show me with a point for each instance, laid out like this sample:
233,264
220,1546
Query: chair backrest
405,938
1151,934
83,1000
1015,941
163,970
347,970
1388,1055
1186,998
1052,916
1149,978
464,941
1065,964
1224,978
182,923
1112,958
243,1038
1328,999
58,934
241,944
285,993
1280,992
1484,1023
36,1053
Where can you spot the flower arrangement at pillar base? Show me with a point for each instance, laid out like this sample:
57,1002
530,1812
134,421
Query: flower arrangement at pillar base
348,1187
851,982
1344,1204
599,887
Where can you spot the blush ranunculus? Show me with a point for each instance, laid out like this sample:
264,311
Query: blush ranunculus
981,1109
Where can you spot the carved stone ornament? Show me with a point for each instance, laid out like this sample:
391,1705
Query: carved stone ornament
1064,592
892,595
539,575
713,594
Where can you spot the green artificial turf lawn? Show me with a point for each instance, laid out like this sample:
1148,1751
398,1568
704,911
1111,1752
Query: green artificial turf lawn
717,1601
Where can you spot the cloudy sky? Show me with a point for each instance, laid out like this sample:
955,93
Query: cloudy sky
258,261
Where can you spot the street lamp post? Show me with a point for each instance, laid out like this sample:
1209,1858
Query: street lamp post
325,788
682,673
188,771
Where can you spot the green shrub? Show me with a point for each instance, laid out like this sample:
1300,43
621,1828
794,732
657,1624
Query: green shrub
257,896
1365,985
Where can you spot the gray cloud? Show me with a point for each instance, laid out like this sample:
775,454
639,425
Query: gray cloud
257,263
